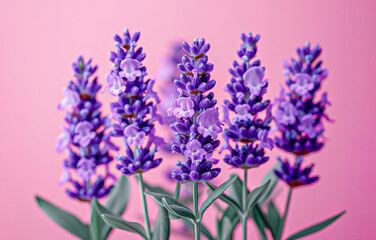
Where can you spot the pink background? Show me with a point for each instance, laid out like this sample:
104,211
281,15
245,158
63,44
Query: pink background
40,38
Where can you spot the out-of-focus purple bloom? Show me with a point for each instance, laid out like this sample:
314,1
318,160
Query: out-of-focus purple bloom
134,135
247,88
135,112
85,138
196,122
72,99
299,116
286,114
194,150
130,69
208,123
84,133
294,175
62,142
115,84
85,168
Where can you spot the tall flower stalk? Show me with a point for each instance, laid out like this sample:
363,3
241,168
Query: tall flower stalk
299,119
135,112
85,138
246,129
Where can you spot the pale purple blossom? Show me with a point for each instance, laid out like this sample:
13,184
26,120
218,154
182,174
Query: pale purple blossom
184,108
150,93
72,99
286,113
303,83
242,112
62,142
307,125
83,133
208,123
130,69
194,150
253,79
85,168
262,135
65,177
134,135
115,85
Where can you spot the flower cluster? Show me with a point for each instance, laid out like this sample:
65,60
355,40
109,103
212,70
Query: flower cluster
84,138
135,110
293,175
196,122
299,116
247,88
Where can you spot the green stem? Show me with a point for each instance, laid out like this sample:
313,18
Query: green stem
195,208
282,223
245,214
146,216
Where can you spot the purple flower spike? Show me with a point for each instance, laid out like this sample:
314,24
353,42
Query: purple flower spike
130,69
299,115
135,110
246,89
196,119
85,138
293,175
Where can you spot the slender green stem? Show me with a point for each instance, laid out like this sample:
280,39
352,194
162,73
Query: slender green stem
245,214
146,216
282,223
195,208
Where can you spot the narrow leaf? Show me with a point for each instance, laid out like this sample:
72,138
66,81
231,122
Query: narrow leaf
259,222
161,230
216,193
96,222
64,219
255,195
118,197
157,189
178,210
119,223
226,198
273,182
170,200
204,230
235,191
316,227
177,191
228,223
273,217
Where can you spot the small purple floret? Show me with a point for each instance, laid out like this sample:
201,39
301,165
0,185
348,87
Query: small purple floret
130,69
83,133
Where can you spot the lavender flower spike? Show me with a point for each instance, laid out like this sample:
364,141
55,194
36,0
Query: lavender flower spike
85,138
246,89
135,110
299,116
196,123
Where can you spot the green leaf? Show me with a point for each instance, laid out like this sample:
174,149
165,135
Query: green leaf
96,222
119,223
236,191
177,191
255,195
316,227
228,223
64,219
204,230
161,230
273,217
157,189
216,193
224,197
273,182
118,197
178,210
259,220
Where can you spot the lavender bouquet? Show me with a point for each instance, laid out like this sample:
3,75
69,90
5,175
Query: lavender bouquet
194,119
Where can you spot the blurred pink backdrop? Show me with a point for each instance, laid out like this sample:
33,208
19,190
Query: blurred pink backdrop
40,38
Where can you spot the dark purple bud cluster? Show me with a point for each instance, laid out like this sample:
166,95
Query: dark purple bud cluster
135,110
246,89
85,137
